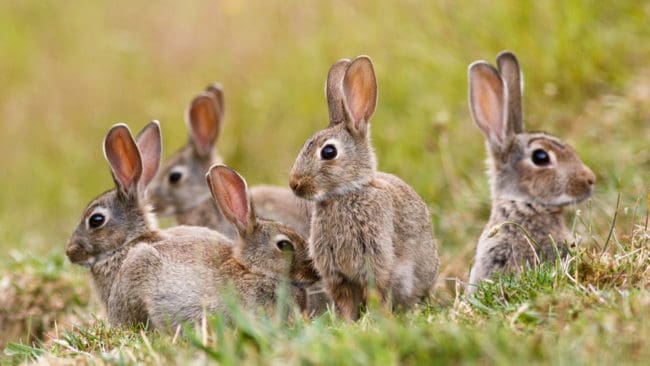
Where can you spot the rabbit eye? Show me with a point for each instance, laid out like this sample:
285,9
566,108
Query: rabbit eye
96,220
175,177
328,152
541,157
285,246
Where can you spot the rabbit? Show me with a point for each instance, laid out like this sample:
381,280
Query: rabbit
143,274
533,176
265,250
366,225
116,235
180,188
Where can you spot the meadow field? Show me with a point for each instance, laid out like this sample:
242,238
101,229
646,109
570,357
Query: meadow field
70,70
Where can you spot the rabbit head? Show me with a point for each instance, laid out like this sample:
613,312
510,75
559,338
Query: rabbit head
525,166
180,186
340,159
265,247
120,215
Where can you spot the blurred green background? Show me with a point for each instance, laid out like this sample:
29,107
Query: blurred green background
69,70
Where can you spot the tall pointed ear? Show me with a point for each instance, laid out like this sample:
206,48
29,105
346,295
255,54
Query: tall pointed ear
204,122
359,93
149,143
216,89
514,79
334,92
487,103
124,159
230,191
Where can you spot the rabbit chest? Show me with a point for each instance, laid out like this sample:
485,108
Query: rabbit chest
520,222
352,236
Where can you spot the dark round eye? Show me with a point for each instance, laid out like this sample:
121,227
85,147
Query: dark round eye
285,246
96,220
174,177
541,158
328,152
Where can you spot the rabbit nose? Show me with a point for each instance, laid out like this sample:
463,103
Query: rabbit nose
70,249
75,250
294,183
589,176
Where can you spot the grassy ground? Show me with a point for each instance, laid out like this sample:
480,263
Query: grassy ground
70,70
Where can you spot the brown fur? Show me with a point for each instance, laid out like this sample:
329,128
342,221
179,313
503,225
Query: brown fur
530,194
166,277
367,226
189,199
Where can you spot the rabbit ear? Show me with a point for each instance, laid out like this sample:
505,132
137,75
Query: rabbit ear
359,93
230,191
204,121
149,143
511,74
124,159
487,102
334,93
216,90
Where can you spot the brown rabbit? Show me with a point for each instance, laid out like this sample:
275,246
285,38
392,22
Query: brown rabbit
366,225
265,251
180,188
533,176
116,236
143,274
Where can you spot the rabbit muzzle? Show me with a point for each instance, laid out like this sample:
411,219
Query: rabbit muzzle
582,184
305,274
303,186
77,254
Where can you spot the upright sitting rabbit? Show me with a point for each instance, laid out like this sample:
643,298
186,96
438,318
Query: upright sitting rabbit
180,188
144,274
533,176
366,225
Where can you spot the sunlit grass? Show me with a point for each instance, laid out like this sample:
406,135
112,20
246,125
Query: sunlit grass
68,71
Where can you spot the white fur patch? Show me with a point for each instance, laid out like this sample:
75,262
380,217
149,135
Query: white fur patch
279,237
404,271
331,141
98,210
341,190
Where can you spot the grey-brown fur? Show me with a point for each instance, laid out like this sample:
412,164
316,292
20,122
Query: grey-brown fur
366,225
165,277
189,199
526,190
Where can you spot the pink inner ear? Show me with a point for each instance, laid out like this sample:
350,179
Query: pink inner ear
231,194
123,157
204,121
150,144
488,99
360,90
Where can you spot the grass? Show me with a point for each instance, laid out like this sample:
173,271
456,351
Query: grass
70,70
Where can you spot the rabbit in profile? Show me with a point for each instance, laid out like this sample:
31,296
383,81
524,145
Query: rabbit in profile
116,235
366,225
533,176
180,188
143,274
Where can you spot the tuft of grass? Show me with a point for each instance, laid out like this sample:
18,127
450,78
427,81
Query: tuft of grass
37,294
73,69
590,308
